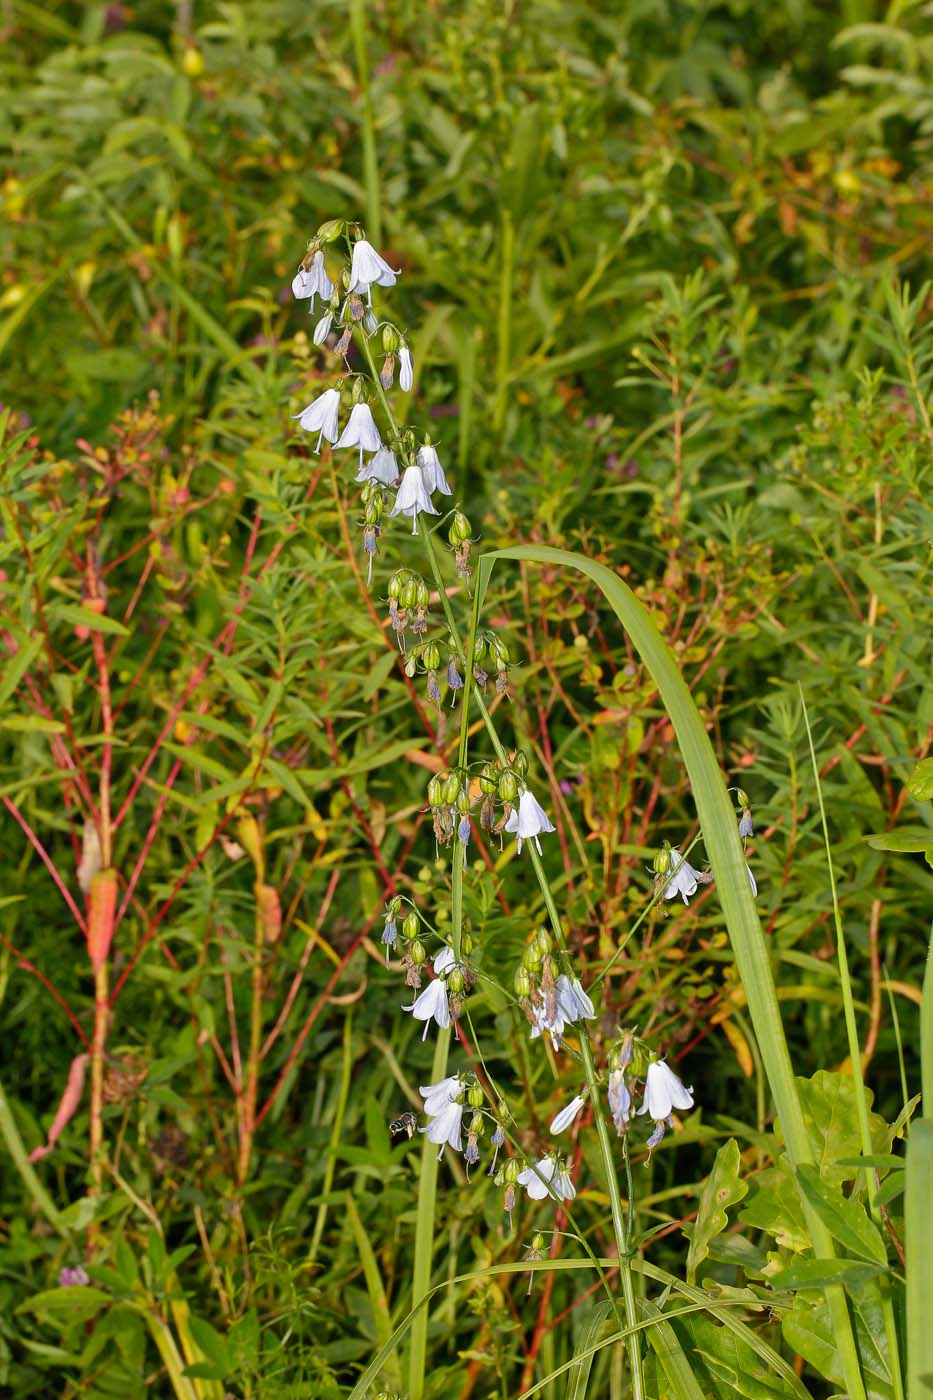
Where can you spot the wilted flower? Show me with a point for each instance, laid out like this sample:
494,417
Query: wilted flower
561,1121
569,1003
454,679
664,1092
322,329
556,1181
497,1139
746,825
382,466
321,416
405,371
430,464
528,820
620,1100
681,878
389,936
368,269
412,497
361,431
312,281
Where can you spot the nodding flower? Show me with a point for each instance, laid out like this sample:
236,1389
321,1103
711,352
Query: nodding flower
368,269
321,416
546,1177
528,820
312,281
413,497
361,431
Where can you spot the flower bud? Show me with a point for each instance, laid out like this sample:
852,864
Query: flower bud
411,667
423,593
520,762
500,651
537,1242
411,924
531,958
435,792
463,800
389,338
466,945
743,797
511,1169
416,952
431,657
489,779
374,509
475,1097
542,942
393,908
662,860
460,529
508,786
409,593
477,1123
330,231
456,980
522,983
479,648
396,584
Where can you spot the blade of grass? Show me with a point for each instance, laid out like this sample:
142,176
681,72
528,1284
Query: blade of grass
918,1194
377,1294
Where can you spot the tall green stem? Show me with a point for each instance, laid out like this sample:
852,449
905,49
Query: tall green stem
358,11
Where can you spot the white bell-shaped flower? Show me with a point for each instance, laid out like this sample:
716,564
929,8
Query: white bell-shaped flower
431,1004
368,269
312,281
361,431
444,1127
432,471
412,497
573,1000
382,466
556,1182
562,1121
528,820
681,878
444,960
437,1095
321,416
322,329
664,1092
406,374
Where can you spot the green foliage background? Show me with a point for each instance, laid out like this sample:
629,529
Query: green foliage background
663,270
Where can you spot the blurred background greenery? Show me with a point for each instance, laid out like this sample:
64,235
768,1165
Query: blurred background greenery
662,270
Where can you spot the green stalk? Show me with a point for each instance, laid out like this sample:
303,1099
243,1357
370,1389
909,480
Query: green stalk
720,833
504,324
926,1034
368,124
424,1239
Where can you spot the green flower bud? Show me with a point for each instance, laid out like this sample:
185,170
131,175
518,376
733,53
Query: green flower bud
489,779
511,1169
411,924
394,906
479,648
520,762
396,584
477,1125
389,338
452,788
500,650
475,1096
409,593
537,1242
662,860
435,792
456,980
460,529
463,800
330,231
411,667
521,983
542,942
743,798
508,786
431,656
422,594
531,958
416,952
374,509
466,945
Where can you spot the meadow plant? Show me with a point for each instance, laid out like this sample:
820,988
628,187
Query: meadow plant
486,798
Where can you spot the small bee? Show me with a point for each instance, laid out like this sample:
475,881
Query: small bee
403,1126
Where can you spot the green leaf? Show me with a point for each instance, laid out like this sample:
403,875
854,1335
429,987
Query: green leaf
902,838
32,724
828,1101
774,1206
920,782
721,1189
63,1306
820,1273
845,1218
86,617
213,1345
732,1366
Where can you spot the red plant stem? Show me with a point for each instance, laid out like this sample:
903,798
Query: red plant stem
303,963
49,986
47,862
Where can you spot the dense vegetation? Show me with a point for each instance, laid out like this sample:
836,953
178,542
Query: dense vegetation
662,280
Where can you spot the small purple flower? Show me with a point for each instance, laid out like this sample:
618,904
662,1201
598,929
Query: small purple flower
73,1278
